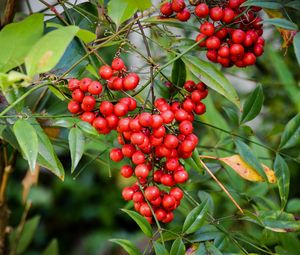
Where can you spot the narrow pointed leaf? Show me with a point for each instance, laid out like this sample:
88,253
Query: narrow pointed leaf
47,52
141,221
52,248
178,247
120,11
127,246
195,218
160,249
179,73
274,5
212,77
76,145
291,133
253,105
283,23
28,141
283,176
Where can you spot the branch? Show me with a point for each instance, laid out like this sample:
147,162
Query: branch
9,11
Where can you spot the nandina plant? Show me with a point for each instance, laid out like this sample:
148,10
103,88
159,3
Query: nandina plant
145,88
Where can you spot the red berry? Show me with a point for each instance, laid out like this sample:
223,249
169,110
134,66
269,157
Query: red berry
202,10
167,180
73,84
178,5
169,217
152,193
200,108
168,116
159,132
186,127
106,108
181,176
73,107
184,15
201,37
238,36
126,171
100,123
120,109
234,4
131,81
258,50
213,43
112,121
117,84
105,72
177,193
157,175
166,9
138,197
116,154
128,150
228,16
127,193
249,59
137,138
88,117
138,158
160,214
169,202
117,64
95,88
88,103
224,51
207,29
171,141
145,119
84,84
236,49
172,164
212,55
145,210
216,13
141,170
78,95
157,121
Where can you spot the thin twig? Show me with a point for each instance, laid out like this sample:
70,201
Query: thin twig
221,185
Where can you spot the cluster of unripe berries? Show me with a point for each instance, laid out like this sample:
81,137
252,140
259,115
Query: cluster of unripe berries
155,142
87,99
231,34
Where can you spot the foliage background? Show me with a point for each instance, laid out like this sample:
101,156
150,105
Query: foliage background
83,212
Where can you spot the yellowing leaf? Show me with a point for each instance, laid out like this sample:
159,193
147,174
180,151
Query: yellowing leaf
246,171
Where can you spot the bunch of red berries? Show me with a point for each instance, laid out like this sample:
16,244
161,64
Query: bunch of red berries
155,142
117,77
177,6
231,37
230,33
88,101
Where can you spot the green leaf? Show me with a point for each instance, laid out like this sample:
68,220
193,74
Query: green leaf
27,234
57,93
47,52
127,246
296,43
141,5
141,221
293,205
195,218
76,145
17,39
291,133
178,73
120,11
211,249
282,173
212,77
52,248
86,36
275,5
247,155
178,247
160,249
253,105
46,153
293,4
28,141
87,128
283,23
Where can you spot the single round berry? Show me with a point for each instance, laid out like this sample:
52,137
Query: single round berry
73,107
152,193
166,9
105,72
207,28
95,88
127,193
184,15
202,10
131,81
178,5
126,171
141,170
84,84
73,84
117,64
116,154
216,13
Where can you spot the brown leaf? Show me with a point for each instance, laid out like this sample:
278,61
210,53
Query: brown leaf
30,179
246,171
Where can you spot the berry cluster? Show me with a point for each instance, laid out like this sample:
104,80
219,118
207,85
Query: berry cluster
177,6
103,115
155,142
231,35
116,76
